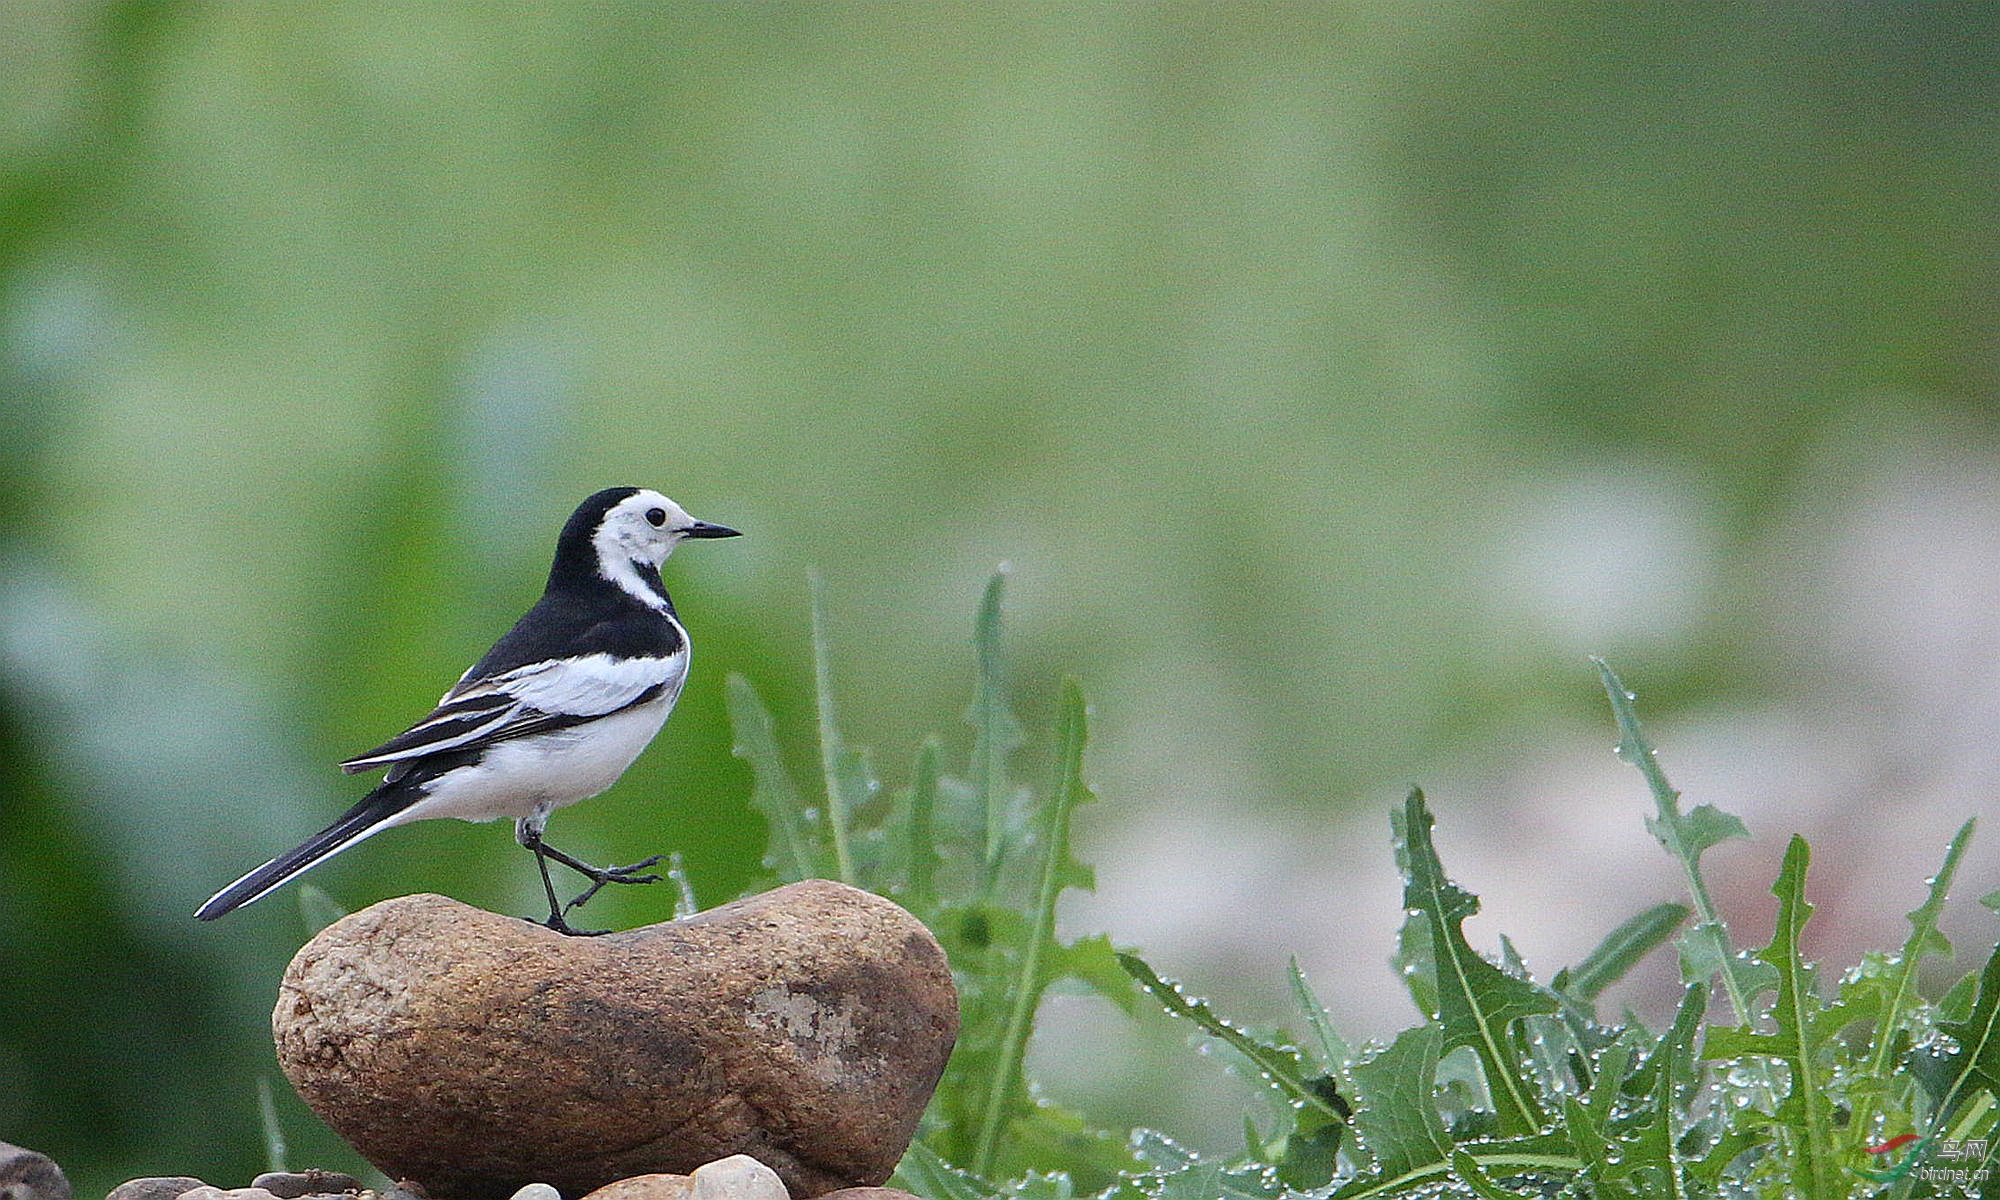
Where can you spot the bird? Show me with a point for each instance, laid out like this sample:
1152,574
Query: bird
554,713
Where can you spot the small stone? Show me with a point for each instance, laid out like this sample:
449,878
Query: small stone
738,1177
536,1191
207,1192
867,1193
156,1187
26,1175
295,1185
478,1053
658,1186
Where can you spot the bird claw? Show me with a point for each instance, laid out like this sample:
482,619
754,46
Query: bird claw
563,927
599,876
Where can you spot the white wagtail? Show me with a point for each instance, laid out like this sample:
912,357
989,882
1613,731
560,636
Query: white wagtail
553,714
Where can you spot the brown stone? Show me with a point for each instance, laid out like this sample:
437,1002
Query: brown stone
659,1186
477,1053
293,1185
156,1187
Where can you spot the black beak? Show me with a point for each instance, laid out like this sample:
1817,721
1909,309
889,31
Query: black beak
702,529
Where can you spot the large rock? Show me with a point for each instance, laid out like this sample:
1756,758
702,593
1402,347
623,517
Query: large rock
476,1053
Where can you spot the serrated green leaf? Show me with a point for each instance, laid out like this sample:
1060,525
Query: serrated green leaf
1161,1153
1622,949
1650,1163
1477,1001
1807,1109
1589,1115
793,853
1092,1158
926,846
1700,828
1415,959
1396,1117
1094,962
1685,836
924,1173
1039,1186
1219,1181
1977,1062
1312,1148
1895,991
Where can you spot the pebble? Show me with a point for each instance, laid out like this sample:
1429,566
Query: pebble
537,1191
295,1185
657,1186
738,1177
155,1187
208,1192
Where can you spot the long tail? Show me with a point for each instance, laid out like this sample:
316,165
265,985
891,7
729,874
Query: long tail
368,817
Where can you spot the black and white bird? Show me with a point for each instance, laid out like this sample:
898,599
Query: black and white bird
553,714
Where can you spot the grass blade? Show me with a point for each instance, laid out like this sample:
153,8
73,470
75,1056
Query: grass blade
1334,1052
1621,950
996,734
833,761
684,901
921,843
1899,989
1279,1064
275,1150
317,908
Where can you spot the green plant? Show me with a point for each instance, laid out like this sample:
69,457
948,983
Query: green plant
981,858
1514,1088
1510,1087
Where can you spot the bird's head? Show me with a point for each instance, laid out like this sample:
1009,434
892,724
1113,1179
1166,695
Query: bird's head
645,527
619,531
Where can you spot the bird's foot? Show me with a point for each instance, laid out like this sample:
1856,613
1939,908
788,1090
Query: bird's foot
563,927
599,876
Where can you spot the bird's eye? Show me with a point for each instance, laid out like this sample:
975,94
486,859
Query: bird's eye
658,516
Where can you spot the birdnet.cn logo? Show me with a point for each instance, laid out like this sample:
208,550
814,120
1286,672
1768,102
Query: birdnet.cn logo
1955,1162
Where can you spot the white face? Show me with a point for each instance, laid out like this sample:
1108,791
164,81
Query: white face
643,527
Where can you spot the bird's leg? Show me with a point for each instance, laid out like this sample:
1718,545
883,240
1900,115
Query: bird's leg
529,833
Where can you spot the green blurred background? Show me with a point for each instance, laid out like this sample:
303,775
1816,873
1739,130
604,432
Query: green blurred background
1334,377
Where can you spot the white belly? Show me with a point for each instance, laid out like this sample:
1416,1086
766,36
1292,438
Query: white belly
542,772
